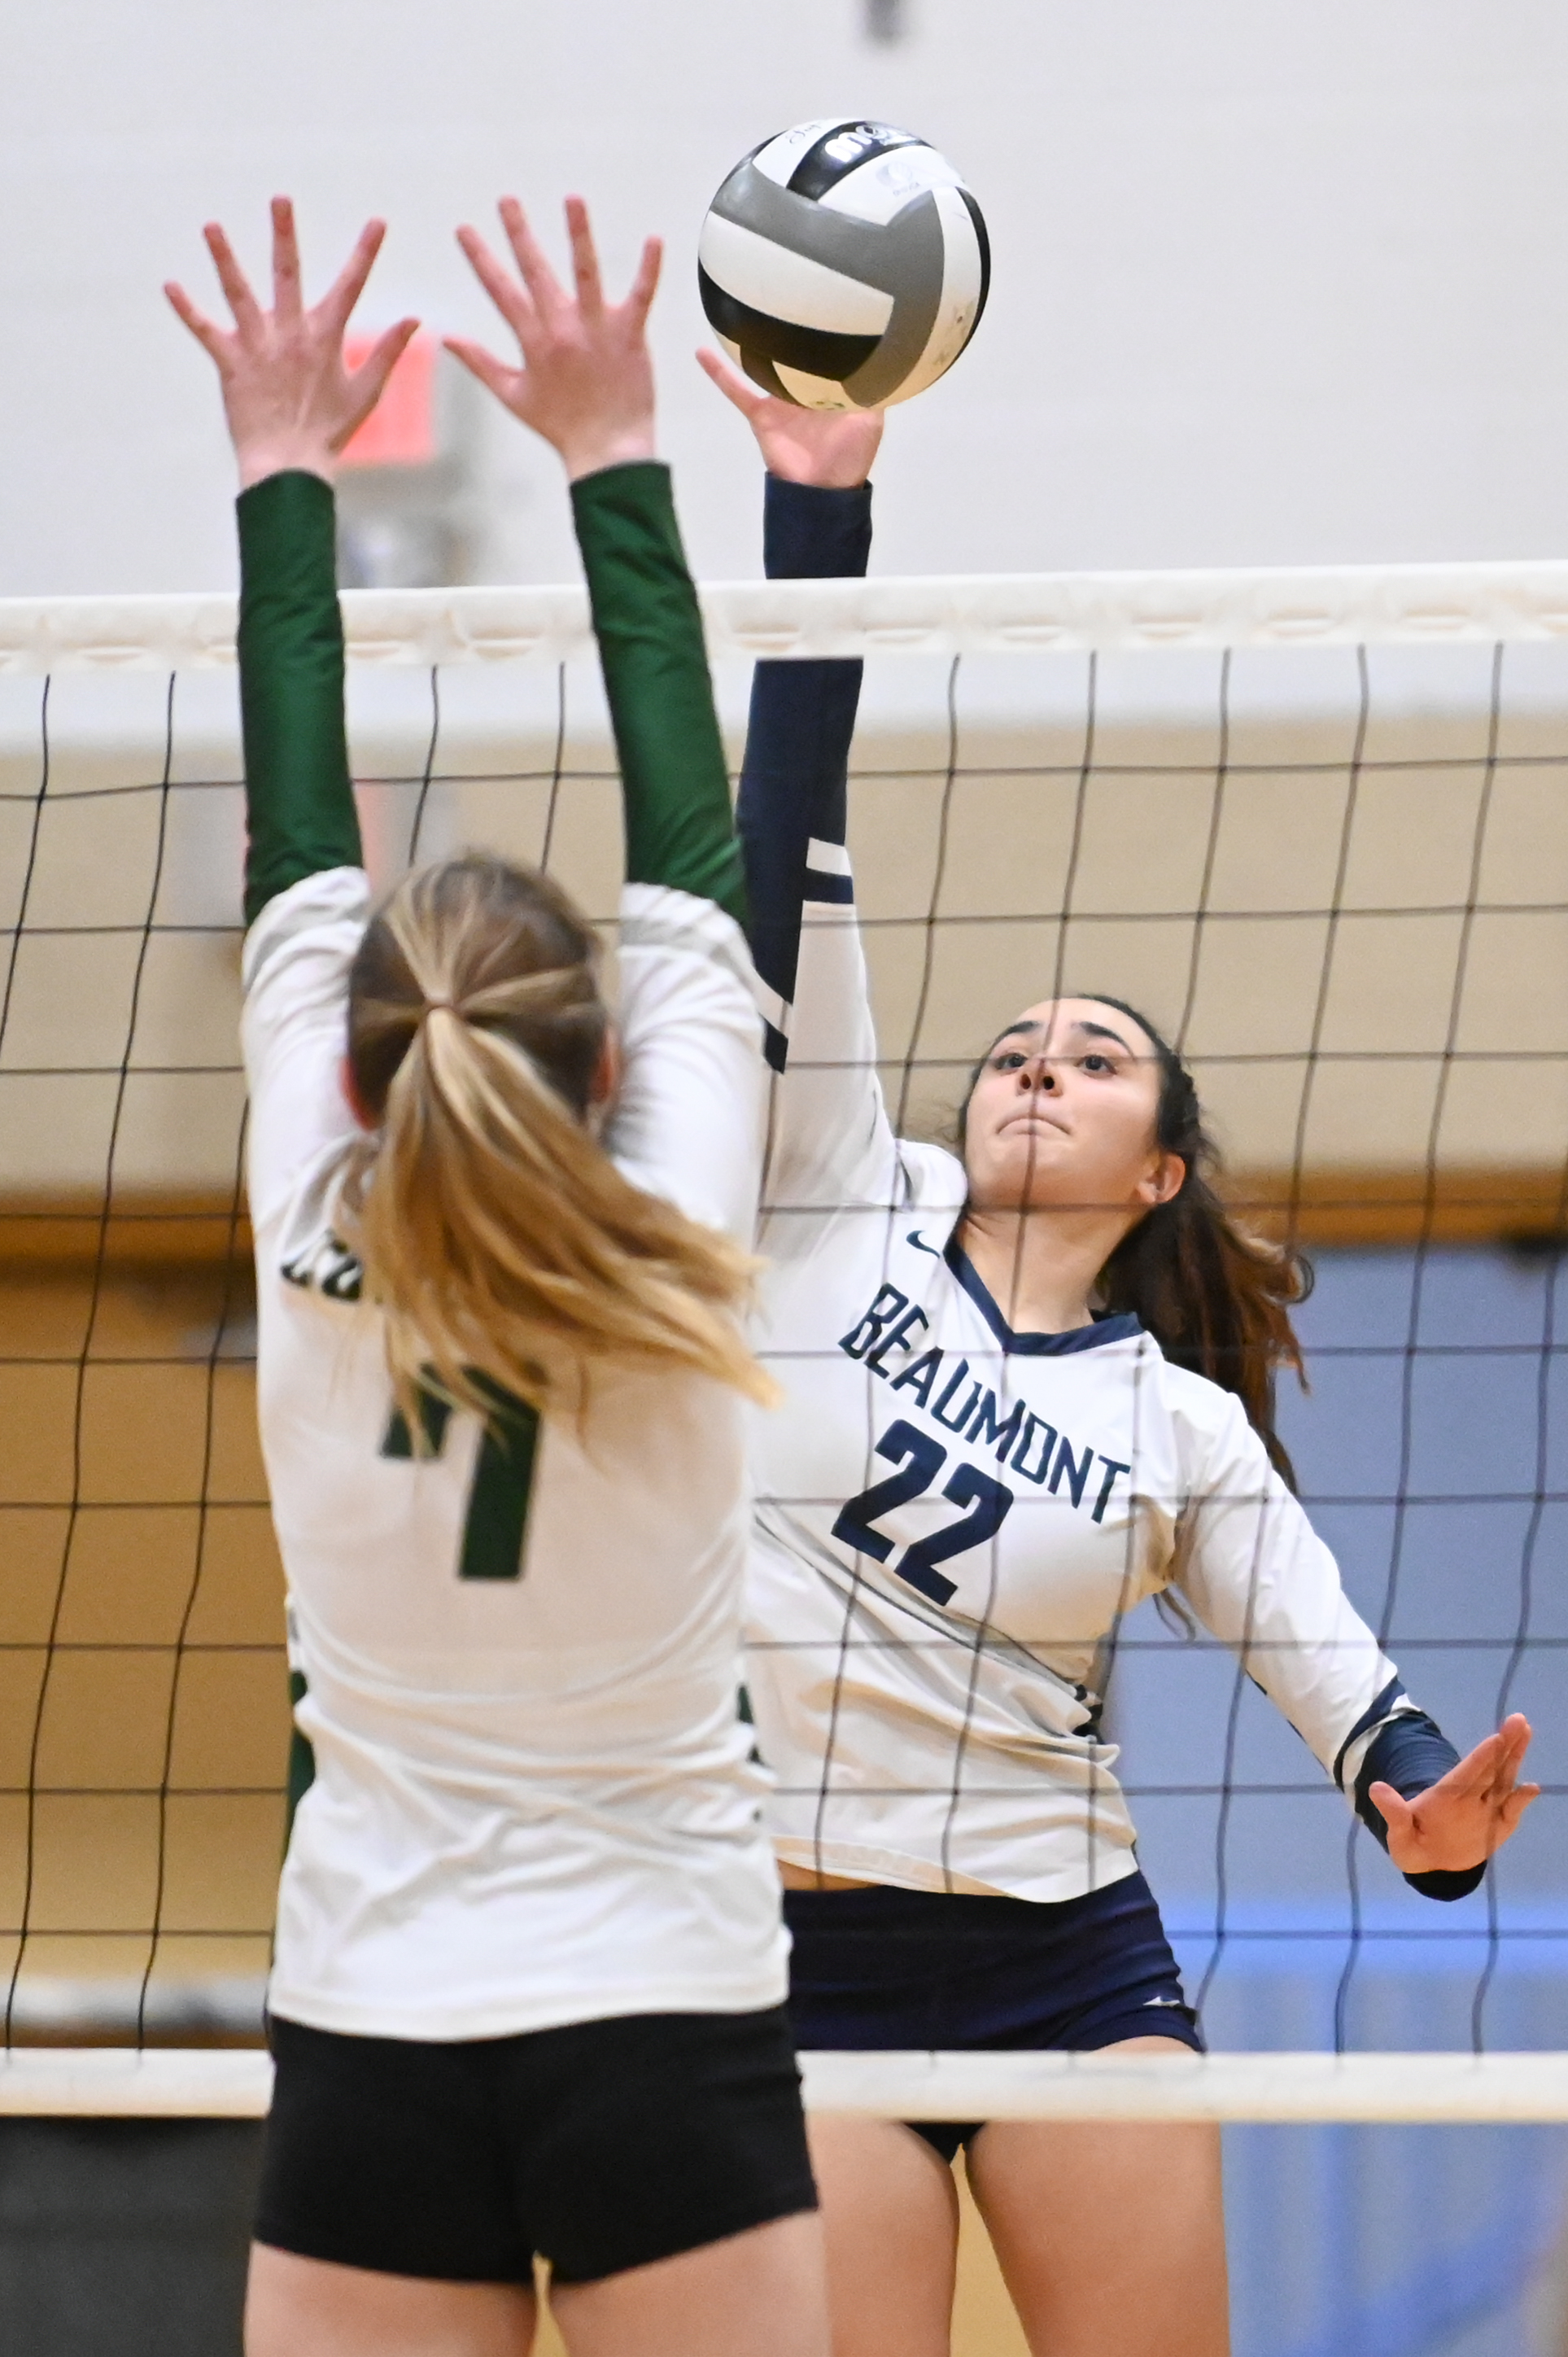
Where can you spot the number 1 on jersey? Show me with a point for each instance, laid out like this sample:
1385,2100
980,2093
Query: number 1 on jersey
494,1526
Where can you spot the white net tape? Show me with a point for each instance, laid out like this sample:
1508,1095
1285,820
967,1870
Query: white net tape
1025,613
1472,2090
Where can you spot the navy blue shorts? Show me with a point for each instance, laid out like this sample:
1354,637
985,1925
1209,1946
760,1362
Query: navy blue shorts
925,1970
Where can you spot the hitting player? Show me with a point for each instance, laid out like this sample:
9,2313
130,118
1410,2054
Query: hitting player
1027,1384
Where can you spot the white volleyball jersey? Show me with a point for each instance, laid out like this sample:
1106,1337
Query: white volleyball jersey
532,1802
952,1518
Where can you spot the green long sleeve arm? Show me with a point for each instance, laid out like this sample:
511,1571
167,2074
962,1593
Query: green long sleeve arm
680,828
299,803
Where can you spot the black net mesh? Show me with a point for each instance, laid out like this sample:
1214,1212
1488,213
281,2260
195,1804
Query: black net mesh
1339,880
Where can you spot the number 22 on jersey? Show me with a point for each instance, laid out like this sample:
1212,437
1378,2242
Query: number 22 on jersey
920,1460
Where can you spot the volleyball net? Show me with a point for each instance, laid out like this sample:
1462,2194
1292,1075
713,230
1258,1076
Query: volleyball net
1315,822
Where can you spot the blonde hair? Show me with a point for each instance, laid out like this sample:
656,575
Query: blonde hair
505,1249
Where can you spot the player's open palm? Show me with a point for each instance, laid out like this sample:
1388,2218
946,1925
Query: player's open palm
587,380
832,449
290,399
1469,1814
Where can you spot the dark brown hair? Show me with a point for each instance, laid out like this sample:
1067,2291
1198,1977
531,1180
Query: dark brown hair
1215,1298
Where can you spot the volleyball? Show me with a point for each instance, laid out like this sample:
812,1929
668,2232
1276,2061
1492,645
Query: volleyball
844,265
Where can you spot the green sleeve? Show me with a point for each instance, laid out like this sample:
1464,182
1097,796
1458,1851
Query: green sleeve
680,828
300,804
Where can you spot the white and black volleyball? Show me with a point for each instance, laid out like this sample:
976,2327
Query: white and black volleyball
844,265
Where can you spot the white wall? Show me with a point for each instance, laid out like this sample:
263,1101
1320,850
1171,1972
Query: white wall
1271,282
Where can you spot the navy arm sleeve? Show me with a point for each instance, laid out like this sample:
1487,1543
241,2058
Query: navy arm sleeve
299,803
1411,1753
794,783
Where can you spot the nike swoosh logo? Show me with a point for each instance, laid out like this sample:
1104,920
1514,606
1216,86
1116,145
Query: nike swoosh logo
914,1238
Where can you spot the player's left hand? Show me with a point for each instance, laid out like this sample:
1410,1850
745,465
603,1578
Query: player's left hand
832,449
587,380
1468,1814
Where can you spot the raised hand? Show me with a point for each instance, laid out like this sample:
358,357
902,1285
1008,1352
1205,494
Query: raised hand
586,381
289,400
1468,1814
832,449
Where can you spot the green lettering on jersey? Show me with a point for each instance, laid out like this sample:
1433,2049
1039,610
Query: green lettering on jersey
495,1524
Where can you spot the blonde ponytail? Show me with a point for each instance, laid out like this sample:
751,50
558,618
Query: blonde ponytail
504,1248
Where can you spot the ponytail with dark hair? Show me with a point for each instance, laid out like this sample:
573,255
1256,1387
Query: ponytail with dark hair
1216,1299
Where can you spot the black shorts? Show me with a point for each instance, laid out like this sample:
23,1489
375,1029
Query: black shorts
602,2145
922,1971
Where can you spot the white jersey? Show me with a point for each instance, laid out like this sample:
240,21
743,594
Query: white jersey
952,1518
534,1802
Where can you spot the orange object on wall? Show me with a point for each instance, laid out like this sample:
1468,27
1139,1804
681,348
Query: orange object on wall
401,429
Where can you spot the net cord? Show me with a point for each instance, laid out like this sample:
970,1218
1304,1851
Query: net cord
1453,2090
1029,614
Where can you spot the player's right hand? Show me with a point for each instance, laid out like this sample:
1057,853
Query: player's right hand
289,399
832,449
587,380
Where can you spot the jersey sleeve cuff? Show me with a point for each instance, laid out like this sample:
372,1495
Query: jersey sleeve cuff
287,523
638,491
810,533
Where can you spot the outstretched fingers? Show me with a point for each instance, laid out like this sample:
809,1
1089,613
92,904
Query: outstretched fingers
1480,1800
1475,1775
1517,1801
232,278
545,290
336,305
645,285
585,260
1515,1735
212,337
494,374
369,381
1491,1770
287,301
510,300
747,397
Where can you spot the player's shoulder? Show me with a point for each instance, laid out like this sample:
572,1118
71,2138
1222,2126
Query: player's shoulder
300,1240
662,926
935,1179
328,907
1205,1405
1210,1421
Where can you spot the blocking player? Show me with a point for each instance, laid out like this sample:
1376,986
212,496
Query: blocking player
1026,1386
527,1994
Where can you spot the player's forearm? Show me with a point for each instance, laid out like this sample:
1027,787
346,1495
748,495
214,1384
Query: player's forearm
794,786
680,829
299,803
